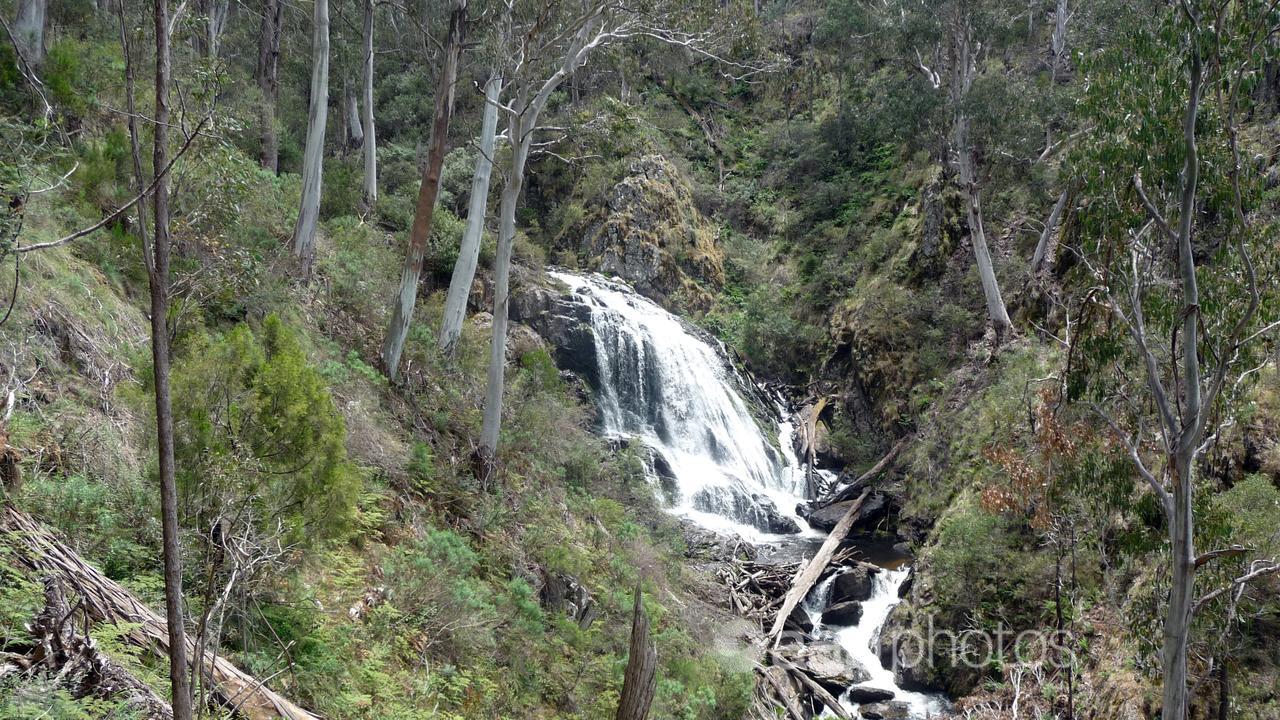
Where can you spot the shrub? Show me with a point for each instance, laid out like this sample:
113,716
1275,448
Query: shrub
256,429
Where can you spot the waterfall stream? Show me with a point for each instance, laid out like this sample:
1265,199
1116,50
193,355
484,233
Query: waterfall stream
659,381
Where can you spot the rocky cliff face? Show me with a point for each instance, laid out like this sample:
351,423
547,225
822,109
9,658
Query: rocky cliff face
649,233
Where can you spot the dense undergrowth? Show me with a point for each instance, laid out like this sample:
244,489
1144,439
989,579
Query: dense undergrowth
390,583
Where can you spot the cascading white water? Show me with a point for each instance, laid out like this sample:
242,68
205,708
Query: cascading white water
862,640
663,385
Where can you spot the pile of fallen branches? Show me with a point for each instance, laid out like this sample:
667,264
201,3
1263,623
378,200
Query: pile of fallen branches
756,590
102,600
65,657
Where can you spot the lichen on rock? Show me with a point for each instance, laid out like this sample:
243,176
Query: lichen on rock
650,234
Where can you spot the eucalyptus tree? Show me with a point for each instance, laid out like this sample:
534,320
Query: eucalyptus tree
267,73
546,45
419,233
370,145
1174,250
28,30
304,231
157,263
464,269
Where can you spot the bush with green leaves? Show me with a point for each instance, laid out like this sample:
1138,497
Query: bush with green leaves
258,436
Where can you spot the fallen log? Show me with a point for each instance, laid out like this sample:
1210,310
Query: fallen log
814,686
73,661
106,601
805,579
858,485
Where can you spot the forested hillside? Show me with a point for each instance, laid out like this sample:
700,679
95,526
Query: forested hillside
680,359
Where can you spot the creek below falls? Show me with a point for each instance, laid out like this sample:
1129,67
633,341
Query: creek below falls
659,381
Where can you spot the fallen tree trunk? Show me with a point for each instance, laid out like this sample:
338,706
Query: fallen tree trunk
73,661
105,601
809,575
818,691
849,491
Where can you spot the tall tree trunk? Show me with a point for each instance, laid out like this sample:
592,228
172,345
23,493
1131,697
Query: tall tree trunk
269,81
370,139
351,119
522,121
1177,626
407,297
216,22
28,30
304,233
641,678
158,279
1059,40
489,433
464,270
963,68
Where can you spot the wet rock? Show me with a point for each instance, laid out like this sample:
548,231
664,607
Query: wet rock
666,476
863,695
848,612
563,319
798,621
855,584
755,510
886,711
905,588
873,509
701,543
830,665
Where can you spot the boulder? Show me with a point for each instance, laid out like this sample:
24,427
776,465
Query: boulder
562,593
863,695
756,510
848,612
829,665
856,583
798,621
905,588
650,233
563,319
895,710
825,517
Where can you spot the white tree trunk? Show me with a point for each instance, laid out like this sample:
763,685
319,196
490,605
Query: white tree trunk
963,69
501,290
28,30
370,140
304,233
352,119
219,10
464,270
1059,40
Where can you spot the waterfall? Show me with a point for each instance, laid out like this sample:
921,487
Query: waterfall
659,382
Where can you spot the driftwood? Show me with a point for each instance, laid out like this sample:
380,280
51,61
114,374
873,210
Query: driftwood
104,601
811,572
785,694
816,688
641,677
851,490
73,661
